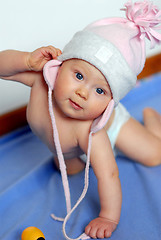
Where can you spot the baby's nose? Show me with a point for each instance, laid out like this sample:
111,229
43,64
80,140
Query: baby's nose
82,92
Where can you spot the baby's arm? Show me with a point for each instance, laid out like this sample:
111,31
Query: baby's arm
19,66
109,188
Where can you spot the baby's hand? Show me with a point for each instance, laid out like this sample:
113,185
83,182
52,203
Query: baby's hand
37,59
100,228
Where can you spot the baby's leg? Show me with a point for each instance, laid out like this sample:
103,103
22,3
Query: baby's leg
152,121
74,165
142,143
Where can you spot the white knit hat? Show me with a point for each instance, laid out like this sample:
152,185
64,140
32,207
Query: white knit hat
115,46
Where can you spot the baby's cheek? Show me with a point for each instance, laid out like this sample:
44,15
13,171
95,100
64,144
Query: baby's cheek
96,110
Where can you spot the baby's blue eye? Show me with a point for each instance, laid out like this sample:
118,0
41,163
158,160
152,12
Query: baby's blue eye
100,91
79,76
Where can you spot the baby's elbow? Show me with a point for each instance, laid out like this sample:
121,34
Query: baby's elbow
115,173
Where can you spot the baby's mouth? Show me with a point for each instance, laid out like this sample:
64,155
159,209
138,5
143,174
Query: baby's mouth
75,105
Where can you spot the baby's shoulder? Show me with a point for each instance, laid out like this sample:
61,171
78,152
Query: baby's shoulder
82,130
83,126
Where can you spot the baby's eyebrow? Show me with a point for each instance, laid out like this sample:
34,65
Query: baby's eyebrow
77,68
102,82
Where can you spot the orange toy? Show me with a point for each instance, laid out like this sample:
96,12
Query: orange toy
32,233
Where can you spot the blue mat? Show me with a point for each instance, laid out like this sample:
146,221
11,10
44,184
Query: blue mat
31,188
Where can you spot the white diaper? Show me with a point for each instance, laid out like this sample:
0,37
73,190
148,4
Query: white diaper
120,118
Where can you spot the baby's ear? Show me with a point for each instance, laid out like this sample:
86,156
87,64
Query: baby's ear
50,72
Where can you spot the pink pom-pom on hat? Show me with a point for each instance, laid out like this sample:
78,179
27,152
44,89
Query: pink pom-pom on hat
145,16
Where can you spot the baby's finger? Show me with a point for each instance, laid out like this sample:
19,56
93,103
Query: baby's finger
101,233
59,51
108,233
93,232
54,51
87,229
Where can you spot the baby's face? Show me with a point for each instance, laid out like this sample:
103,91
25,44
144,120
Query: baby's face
81,91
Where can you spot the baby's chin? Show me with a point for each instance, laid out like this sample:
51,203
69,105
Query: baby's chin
79,118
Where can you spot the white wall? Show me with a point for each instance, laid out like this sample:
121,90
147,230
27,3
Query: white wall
27,25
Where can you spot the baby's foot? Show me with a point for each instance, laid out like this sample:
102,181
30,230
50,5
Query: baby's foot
152,121
100,228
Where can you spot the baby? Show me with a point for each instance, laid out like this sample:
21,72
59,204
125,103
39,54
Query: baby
97,68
